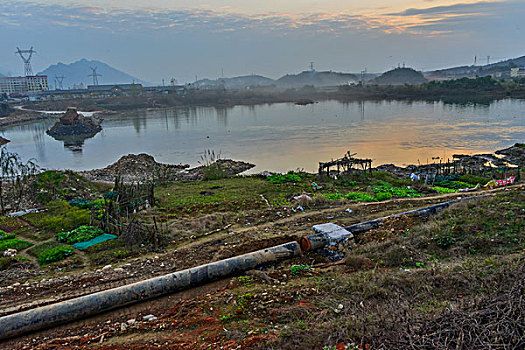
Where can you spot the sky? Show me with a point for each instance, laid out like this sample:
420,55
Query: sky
164,39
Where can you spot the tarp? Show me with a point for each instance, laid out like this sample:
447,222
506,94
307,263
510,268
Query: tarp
99,239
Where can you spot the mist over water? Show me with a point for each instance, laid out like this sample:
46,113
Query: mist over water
281,137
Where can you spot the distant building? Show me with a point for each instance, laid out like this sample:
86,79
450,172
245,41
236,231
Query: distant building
517,72
114,88
24,85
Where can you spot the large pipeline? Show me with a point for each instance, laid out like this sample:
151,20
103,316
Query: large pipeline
92,304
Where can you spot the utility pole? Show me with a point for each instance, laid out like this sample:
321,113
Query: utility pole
363,72
312,67
488,60
59,82
95,75
28,71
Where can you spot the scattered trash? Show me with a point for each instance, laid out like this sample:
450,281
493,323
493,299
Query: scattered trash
414,177
10,253
23,212
348,210
303,197
149,318
315,186
300,207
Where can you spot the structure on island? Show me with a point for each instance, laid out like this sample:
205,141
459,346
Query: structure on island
73,128
345,164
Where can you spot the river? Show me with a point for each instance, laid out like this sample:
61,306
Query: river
281,137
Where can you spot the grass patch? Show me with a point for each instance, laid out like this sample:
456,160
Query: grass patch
38,249
361,197
443,190
14,243
60,217
4,236
280,179
230,194
55,254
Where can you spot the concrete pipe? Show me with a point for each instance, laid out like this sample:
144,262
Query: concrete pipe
92,304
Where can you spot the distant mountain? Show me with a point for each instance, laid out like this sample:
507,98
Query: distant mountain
1,75
78,72
241,82
316,79
400,76
499,68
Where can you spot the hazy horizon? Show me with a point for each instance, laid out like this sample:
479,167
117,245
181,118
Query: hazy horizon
161,39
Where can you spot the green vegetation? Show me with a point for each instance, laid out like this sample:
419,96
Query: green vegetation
55,254
4,236
60,217
14,243
443,190
361,197
80,234
36,250
298,269
280,179
396,191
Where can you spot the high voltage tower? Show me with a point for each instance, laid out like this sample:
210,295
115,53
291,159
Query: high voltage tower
27,60
95,75
59,82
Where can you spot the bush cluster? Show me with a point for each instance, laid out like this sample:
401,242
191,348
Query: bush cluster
55,254
280,179
14,243
80,234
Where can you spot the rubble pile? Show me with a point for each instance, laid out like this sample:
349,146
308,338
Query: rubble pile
143,167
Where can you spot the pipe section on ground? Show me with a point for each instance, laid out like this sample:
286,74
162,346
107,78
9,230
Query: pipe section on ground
320,240
92,304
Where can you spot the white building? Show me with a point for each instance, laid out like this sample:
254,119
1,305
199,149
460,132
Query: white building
517,72
23,85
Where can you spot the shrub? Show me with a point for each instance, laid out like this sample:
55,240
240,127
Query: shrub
361,197
81,203
443,190
279,178
383,196
334,196
4,236
55,254
396,191
213,171
14,243
80,234
473,179
297,269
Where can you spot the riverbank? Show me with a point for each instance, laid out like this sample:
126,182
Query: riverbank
398,280
480,90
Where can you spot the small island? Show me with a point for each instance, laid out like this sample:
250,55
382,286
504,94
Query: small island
73,128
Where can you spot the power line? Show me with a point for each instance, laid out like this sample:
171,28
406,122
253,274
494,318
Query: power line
95,75
28,71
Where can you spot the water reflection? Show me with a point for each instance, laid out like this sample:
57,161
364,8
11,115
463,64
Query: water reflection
285,136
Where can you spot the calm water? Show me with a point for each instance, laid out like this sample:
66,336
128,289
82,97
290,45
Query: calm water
281,137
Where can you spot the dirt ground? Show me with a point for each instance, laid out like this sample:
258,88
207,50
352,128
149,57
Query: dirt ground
191,319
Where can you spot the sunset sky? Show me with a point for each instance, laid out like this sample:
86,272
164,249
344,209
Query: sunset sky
158,39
